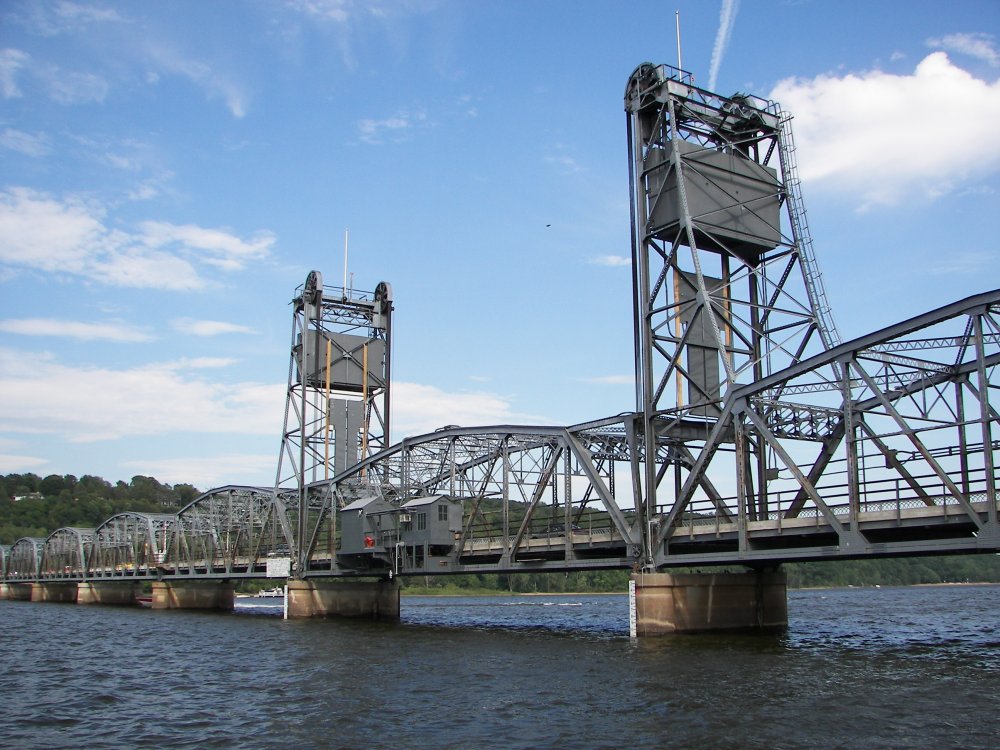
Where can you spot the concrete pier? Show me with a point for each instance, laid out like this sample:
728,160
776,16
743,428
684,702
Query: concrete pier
19,592
690,603
53,592
107,593
376,600
194,595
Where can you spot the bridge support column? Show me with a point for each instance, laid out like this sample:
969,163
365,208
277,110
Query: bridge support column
377,600
107,593
194,595
690,603
19,592
53,592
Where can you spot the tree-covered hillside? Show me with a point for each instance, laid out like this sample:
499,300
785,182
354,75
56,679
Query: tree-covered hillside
34,506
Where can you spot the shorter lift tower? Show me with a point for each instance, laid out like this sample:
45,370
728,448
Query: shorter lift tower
725,286
337,407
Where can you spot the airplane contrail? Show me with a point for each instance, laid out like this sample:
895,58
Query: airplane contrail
727,17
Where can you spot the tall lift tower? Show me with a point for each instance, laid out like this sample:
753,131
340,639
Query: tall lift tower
337,405
725,285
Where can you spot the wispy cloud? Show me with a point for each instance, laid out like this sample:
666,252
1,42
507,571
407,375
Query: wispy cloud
52,19
192,327
25,143
75,329
396,128
850,128
980,46
11,63
212,81
105,403
611,260
209,471
215,247
73,87
418,409
69,236
610,380
11,463
727,18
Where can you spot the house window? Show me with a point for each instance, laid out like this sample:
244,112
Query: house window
421,521
443,513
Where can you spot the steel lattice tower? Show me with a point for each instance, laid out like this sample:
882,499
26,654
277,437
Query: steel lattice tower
725,287
337,405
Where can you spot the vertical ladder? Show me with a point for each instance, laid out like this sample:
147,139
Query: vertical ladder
800,235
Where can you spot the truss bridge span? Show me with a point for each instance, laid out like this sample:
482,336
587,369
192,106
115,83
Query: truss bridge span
906,465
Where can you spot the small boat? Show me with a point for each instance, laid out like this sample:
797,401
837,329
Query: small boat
144,600
277,591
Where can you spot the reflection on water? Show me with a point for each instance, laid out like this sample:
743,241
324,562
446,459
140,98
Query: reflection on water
857,668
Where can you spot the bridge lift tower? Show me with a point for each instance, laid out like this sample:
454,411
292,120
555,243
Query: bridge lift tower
725,285
337,404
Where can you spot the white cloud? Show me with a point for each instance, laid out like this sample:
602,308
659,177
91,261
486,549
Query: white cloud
979,46
220,248
69,236
51,19
727,18
24,143
568,163
193,327
611,260
74,329
40,395
868,134
11,62
199,363
210,471
610,380
214,83
12,464
418,409
73,87
395,128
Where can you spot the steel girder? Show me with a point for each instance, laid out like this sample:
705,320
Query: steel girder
517,484
725,285
229,530
130,545
877,454
23,558
65,552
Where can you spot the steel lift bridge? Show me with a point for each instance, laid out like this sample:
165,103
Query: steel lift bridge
758,436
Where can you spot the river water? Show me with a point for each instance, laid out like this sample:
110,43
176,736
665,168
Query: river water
857,668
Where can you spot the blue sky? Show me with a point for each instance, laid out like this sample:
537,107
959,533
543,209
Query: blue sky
171,171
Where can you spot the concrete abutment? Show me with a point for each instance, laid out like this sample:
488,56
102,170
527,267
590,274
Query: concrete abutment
212,594
691,603
53,592
376,600
121,593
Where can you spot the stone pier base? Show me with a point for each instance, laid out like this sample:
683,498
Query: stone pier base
194,595
108,593
53,592
20,592
376,600
690,603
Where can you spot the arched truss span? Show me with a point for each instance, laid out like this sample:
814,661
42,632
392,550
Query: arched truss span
527,492
65,552
229,530
132,545
23,558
